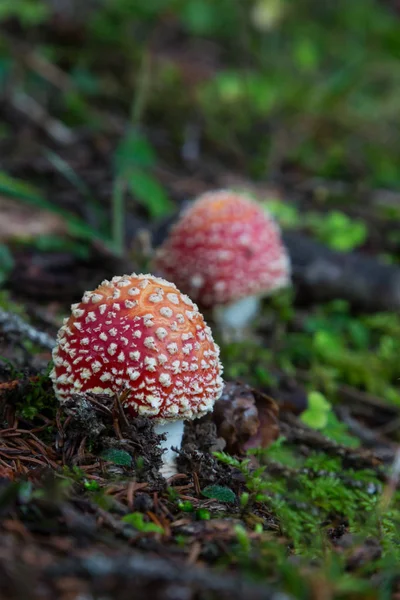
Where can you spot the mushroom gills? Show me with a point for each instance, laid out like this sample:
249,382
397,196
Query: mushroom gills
174,434
233,318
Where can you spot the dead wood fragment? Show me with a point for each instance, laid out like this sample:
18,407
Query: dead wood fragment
359,458
30,108
371,438
322,274
118,573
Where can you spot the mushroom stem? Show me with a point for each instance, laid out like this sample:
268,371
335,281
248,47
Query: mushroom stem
174,433
233,318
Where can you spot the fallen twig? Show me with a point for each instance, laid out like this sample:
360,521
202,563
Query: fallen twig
102,570
323,274
298,433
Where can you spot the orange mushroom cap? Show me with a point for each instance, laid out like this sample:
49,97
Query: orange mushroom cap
140,334
223,248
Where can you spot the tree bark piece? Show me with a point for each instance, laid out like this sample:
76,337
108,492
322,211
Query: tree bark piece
322,274
143,571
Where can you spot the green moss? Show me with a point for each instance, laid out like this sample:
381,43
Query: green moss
315,496
308,503
37,397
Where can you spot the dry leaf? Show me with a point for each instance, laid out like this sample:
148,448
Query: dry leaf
268,429
245,418
18,220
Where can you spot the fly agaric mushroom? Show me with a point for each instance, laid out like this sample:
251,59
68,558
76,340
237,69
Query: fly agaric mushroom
138,333
225,252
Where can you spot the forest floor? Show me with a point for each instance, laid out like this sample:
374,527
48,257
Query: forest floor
289,489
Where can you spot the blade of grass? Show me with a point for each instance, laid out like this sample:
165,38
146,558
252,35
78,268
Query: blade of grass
13,188
70,175
118,215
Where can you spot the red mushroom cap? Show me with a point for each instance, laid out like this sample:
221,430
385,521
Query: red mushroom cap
139,333
223,248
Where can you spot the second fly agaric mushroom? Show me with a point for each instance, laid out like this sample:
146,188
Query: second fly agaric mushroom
225,252
139,334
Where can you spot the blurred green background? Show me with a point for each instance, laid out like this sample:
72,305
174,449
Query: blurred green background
112,107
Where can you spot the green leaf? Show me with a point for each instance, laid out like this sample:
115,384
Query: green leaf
314,419
14,188
85,81
91,485
133,151
185,506
327,344
136,520
317,413
306,54
339,432
74,179
286,214
6,262
337,230
6,66
68,172
203,514
18,189
317,401
118,457
28,12
198,16
150,193
53,243
219,492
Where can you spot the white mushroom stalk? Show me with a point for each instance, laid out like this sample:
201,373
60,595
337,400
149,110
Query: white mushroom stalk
173,431
233,319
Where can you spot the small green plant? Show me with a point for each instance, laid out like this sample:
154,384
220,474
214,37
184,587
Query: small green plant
284,212
136,519
203,514
337,230
306,500
244,499
246,360
139,465
134,161
220,493
28,12
77,228
6,262
38,396
91,485
185,506
116,456
316,414
243,539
